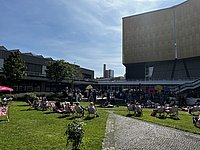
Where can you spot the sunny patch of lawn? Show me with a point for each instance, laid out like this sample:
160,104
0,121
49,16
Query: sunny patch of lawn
34,129
184,123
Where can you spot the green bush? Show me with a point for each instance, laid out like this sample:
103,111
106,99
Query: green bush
24,96
75,134
32,95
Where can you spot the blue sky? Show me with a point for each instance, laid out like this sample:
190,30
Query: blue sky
84,32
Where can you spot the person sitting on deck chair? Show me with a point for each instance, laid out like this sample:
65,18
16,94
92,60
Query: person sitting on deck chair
92,109
79,109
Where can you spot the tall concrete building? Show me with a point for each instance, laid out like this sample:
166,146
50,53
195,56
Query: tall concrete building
163,44
107,73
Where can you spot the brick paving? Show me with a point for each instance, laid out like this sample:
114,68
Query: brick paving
123,133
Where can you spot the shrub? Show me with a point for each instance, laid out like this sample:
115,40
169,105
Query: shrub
24,96
31,95
75,134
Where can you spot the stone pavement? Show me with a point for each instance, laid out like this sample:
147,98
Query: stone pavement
123,133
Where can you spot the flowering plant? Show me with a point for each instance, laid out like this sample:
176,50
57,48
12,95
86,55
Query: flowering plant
75,134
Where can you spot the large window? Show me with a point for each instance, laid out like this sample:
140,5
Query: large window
1,64
33,69
149,72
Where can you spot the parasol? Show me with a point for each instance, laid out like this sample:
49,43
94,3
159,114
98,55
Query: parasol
89,87
4,88
158,88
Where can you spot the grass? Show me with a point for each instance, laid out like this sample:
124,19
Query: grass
184,123
37,130
45,130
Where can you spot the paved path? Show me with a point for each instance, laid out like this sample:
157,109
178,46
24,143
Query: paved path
123,133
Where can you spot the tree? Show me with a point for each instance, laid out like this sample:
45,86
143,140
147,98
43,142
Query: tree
56,70
59,70
14,67
73,73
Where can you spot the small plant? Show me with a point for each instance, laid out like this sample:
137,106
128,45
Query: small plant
75,134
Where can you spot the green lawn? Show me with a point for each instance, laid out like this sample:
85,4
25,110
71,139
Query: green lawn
184,123
45,130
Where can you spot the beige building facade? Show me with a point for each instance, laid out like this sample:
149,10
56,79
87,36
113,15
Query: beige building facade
163,44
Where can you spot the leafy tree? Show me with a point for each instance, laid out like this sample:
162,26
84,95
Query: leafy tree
14,67
73,72
59,70
56,70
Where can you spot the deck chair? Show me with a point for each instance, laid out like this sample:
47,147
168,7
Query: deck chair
131,107
193,110
50,105
68,109
138,110
92,110
196,121
173,112
33,104
4,111
160,111
79,110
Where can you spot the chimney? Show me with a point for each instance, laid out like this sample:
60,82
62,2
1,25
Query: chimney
104,70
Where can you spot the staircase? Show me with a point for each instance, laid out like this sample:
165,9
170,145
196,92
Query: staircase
187,86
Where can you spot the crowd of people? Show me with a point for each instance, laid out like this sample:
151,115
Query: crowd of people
66,107
136,99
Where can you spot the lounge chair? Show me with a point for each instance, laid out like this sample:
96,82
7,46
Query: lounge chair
33,104
137,109
79,110
131,107
4,111
92,110
196,121
159,111
194,110
172,112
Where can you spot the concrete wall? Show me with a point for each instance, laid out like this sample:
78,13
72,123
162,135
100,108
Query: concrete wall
148,37
167,39
152,36
188,29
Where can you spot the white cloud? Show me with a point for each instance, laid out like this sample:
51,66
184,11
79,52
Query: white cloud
87,32
101,19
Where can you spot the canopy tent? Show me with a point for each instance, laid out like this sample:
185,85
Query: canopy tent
158,88
89,87
4,88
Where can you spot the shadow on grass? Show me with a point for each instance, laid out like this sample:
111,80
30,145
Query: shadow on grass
63,116
129,115
133,115
50,112
174,118
89,118
4,120
72,118
27,109
24,105
161,117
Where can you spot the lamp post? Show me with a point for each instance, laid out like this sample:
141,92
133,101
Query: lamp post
73,75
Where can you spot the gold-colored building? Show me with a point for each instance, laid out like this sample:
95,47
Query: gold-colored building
163,44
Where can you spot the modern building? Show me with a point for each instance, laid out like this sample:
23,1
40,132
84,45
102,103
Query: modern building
163,44
36,79
107,73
